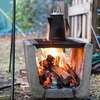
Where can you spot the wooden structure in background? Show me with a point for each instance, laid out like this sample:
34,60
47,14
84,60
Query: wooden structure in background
60,5
79,22
96,23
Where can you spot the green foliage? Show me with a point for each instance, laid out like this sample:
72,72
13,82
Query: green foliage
68,1
31,15
18,88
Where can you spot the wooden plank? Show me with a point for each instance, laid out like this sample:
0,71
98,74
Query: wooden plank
72,26
78,10
75,24
89,22
80,24
80,27
84,24
72,22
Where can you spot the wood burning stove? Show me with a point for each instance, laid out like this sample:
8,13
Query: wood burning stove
80,57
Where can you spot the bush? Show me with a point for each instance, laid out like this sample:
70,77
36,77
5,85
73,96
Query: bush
31,15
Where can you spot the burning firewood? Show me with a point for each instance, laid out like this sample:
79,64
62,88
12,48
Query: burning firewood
44,64
50,59
75,77
64,76
65,73
42,77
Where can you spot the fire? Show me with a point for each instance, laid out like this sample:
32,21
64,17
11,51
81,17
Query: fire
52,65
40,71
47,33
52,62
57,53
47,81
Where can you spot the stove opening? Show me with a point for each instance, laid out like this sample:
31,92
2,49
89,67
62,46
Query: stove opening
59,68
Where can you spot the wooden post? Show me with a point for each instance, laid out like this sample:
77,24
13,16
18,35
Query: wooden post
94,22
84,24
66,11
89,32
72,22
79,24
76,24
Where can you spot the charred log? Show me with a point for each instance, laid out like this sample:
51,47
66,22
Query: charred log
42,77
64,76
44,64
75,77
50,59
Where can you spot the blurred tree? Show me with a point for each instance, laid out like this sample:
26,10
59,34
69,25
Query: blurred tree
31,15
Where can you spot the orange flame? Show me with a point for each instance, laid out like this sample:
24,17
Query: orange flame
40,71
43,39
47,33
47,81
74,60
55,52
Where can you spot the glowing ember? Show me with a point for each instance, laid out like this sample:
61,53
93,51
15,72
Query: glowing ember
53,66
40,71
56,55
47,81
